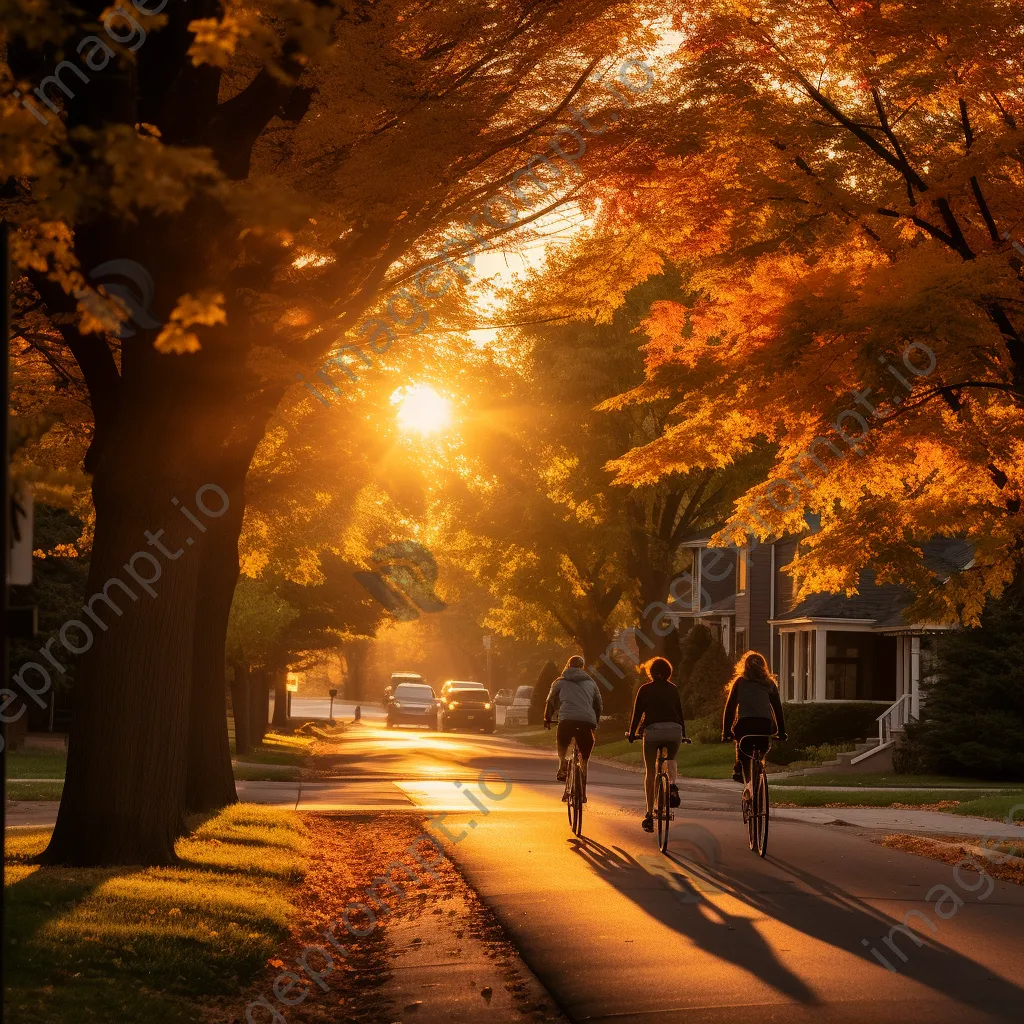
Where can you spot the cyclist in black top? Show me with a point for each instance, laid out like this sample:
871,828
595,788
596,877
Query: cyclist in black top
658,716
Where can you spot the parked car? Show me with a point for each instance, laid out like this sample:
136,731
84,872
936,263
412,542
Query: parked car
405,677
518,710
524,694
460,684
467,706
412,704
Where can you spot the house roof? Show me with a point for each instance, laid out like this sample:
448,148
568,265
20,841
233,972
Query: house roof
883,604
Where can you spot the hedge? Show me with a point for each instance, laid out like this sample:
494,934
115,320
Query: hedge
833,722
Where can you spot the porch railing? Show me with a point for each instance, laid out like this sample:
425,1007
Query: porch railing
894,719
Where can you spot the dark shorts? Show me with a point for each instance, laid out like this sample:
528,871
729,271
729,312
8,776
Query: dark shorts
581,732
751,727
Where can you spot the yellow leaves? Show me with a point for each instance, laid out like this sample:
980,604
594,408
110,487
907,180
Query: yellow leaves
307,26
145,173
46,246
215,41
206,308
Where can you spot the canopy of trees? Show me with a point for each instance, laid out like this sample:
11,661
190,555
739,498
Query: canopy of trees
771,264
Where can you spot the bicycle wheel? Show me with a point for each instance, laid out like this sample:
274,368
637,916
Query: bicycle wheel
762,812
569,810
576,797
750,808
662,805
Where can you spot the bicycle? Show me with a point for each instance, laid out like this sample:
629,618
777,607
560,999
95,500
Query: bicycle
662,794
574,785
756,807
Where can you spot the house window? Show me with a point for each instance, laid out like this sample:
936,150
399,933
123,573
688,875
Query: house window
842,667
741,571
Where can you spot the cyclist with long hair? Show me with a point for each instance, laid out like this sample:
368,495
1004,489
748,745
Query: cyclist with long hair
753,707
658,716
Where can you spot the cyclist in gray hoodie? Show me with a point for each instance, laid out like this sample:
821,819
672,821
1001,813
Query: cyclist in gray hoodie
577,701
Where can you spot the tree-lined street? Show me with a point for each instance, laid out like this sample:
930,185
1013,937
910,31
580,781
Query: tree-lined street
501,365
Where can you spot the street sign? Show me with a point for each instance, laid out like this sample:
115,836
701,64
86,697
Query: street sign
292,682
19,562
487,643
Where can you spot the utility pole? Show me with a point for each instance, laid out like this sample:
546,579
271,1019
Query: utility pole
490,681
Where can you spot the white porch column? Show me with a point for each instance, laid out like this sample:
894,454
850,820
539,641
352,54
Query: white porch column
801,666
820,652
915,676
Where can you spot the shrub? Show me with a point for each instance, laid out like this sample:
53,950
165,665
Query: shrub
833,722
704,692
548,674
972,718
696,641
706,729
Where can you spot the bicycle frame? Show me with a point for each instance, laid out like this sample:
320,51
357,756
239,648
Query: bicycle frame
663,810
756,807
574,790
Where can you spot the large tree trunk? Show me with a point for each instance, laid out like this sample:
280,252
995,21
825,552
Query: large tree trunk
124,796
240,707
259,703
210,782
280,676
355,669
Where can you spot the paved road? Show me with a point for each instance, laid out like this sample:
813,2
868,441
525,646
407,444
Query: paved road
620,933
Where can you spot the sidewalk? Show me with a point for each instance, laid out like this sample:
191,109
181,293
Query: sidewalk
440,795
900,820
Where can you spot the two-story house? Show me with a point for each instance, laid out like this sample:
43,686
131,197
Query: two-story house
826,646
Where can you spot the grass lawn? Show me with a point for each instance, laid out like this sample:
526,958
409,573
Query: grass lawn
895,781
34,790
952,801
279,748
36,764
283,755
145,944
994,806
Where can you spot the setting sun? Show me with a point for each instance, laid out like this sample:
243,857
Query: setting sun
422,409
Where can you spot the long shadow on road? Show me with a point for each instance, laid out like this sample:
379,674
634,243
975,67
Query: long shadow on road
824,911
727,937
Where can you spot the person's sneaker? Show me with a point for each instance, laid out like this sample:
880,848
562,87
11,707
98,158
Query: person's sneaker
648,823
561,774
673,795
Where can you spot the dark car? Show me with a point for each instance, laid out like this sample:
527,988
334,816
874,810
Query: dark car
468,707
412,704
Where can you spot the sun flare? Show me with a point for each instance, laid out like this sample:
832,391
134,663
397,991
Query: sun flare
422,410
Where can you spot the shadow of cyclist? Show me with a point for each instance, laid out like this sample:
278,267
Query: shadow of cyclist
729,937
